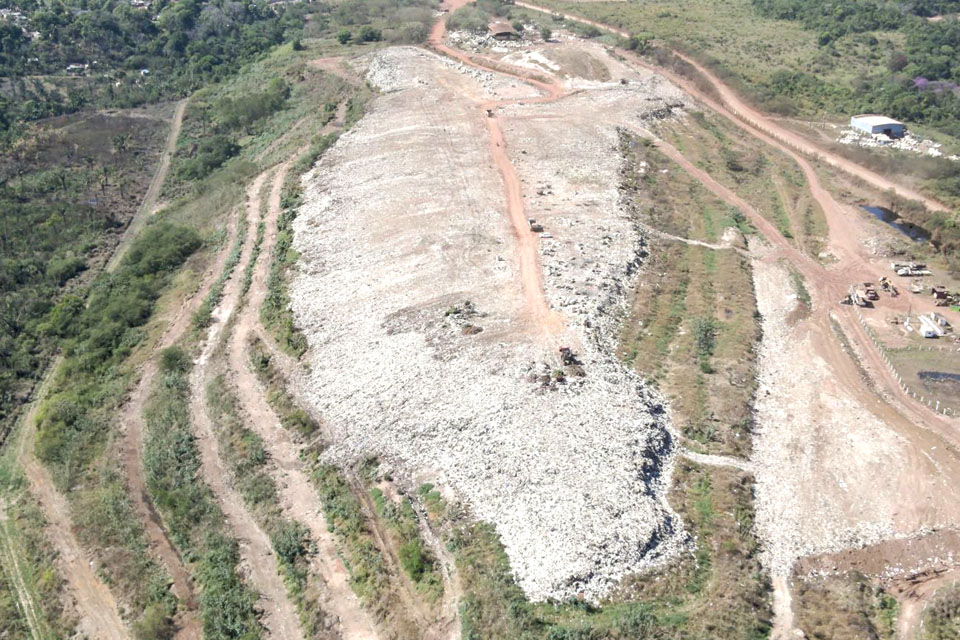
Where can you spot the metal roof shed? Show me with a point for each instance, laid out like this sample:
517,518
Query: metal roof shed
874,124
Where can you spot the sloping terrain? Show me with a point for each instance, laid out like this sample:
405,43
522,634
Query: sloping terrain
423,351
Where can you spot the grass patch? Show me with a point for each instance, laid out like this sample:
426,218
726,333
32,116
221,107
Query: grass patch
800,288
763,176
368,569
189,508
22,532
291,415
848,607
243,450
202,316
416,560
692,328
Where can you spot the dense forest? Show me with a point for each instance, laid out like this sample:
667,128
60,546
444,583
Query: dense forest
919,83
60,57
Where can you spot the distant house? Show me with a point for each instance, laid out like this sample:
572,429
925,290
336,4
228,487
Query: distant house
501,30
875,125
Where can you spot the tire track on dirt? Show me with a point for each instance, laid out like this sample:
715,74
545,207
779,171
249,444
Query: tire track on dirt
280,616
14,574
296,490
133,427
96,604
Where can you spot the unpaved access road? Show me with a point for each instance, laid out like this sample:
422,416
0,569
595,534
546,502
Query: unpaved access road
153,191
132,425
299,498
279,615
744,112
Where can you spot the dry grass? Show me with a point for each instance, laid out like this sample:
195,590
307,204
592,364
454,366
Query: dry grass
844,608
692,327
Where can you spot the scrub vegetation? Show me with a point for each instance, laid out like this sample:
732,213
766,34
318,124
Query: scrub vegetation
693,327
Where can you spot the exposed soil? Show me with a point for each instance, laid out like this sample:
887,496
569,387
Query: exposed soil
99,615
279,615
297,493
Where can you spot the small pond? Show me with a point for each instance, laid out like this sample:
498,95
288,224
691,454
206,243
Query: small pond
939,376
908,229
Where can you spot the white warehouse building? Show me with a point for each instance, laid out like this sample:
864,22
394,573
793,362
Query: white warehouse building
874,124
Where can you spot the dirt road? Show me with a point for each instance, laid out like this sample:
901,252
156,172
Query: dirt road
531,274
132,425
740,110
280,616
299,498
153,191
100,617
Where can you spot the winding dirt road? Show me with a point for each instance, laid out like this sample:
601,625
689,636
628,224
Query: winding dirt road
132,425
279,615
298,496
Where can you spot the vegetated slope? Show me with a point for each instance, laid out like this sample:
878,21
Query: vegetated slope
72,185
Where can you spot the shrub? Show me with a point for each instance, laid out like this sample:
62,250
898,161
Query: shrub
211,154
243,111
60,270
369,34
412,559
344,36
174,360
469,19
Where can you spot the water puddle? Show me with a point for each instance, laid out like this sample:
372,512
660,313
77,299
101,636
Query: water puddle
939,376
908,229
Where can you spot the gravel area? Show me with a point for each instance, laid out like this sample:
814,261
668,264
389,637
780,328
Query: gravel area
827,469
403,222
